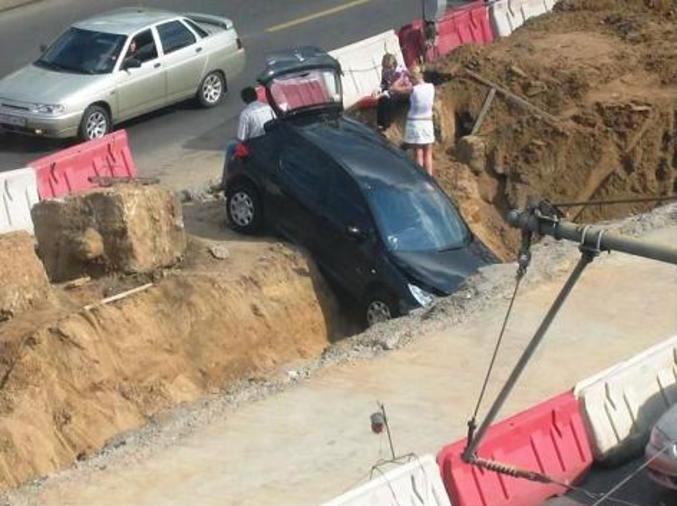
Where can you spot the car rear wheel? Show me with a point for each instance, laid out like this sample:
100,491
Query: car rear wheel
212,89
379,307
244,208
95,123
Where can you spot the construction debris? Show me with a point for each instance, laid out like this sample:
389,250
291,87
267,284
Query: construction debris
128,229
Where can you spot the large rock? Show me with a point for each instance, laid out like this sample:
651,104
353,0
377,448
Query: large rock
23,281
129,229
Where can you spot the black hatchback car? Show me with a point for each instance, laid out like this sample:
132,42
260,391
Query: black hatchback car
376,224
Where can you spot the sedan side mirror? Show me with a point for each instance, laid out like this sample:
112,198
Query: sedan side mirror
43,48
131,63
355,233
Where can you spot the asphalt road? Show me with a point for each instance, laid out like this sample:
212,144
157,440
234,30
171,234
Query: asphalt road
180,138
637,491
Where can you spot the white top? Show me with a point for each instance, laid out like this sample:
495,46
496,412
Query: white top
421,101
252,119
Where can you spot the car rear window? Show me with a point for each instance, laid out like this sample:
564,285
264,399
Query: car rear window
196,28
174,36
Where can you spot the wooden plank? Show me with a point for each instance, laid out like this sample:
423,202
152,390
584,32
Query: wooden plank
483,112
556,122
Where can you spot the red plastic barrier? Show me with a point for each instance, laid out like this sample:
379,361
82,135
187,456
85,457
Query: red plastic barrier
549,438
468,24
69,170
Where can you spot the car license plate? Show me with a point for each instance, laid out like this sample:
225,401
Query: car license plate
12,120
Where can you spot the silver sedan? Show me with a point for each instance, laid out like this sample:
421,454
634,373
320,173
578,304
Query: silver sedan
117,66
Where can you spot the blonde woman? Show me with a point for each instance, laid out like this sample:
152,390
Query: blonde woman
419,132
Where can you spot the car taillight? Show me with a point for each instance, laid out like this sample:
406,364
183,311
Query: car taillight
241,151
239,43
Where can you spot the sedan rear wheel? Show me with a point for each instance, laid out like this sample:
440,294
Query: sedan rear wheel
244,208
95,123
212,89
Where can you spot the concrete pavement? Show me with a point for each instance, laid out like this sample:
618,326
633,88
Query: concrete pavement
312,442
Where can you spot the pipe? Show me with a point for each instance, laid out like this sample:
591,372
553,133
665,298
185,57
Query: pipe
592,236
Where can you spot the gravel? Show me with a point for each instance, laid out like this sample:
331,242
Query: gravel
550,259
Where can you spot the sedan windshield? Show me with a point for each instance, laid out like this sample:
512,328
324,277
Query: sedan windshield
416,218
83,51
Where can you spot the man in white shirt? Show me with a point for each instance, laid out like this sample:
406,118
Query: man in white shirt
253,117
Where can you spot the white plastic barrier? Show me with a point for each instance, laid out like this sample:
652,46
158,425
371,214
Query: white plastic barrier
18,193
508,15
361,65
622,403
416,483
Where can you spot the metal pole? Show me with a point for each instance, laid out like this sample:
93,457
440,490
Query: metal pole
587,255
592,237
390,437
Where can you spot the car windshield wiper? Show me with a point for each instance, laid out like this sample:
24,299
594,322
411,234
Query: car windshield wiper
56,66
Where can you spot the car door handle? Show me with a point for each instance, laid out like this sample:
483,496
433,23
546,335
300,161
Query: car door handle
157,65
198,49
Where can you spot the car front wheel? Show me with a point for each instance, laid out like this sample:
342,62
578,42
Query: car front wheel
379,307
212,89
95,123
244,208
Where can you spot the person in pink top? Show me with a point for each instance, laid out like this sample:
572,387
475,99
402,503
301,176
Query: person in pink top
395,86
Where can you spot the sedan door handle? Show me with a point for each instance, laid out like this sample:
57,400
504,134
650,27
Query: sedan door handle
157,65
198,49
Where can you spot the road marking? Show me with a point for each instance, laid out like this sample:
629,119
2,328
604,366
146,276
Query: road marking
320,14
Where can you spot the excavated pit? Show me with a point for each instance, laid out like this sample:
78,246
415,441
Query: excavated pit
606,70
72,378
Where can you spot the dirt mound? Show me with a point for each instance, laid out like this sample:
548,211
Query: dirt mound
23,278
607,72
127,228
73,379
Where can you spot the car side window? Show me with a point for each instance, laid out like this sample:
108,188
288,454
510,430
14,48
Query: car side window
142,47
305,173
174,36
346,204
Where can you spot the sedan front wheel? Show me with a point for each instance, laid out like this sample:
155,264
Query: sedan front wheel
95,123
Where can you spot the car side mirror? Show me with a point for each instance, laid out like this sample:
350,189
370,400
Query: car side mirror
355,233
43,48
131,63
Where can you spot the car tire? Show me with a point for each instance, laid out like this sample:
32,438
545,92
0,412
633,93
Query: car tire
380,306
95,123
212,89
244,208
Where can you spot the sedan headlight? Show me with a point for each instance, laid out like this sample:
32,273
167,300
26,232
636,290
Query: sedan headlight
422,297
660,440
48,109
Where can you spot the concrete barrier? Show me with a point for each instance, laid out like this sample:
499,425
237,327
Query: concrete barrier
361,65
416,483
621,404
18,194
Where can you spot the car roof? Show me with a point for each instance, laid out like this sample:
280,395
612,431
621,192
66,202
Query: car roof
296,59
362,153
125,21
668,422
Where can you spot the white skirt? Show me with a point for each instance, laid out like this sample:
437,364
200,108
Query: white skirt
419,131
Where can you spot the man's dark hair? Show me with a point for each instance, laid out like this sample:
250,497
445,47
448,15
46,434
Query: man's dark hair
248,95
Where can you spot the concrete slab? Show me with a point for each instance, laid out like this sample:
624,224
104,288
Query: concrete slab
312,442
